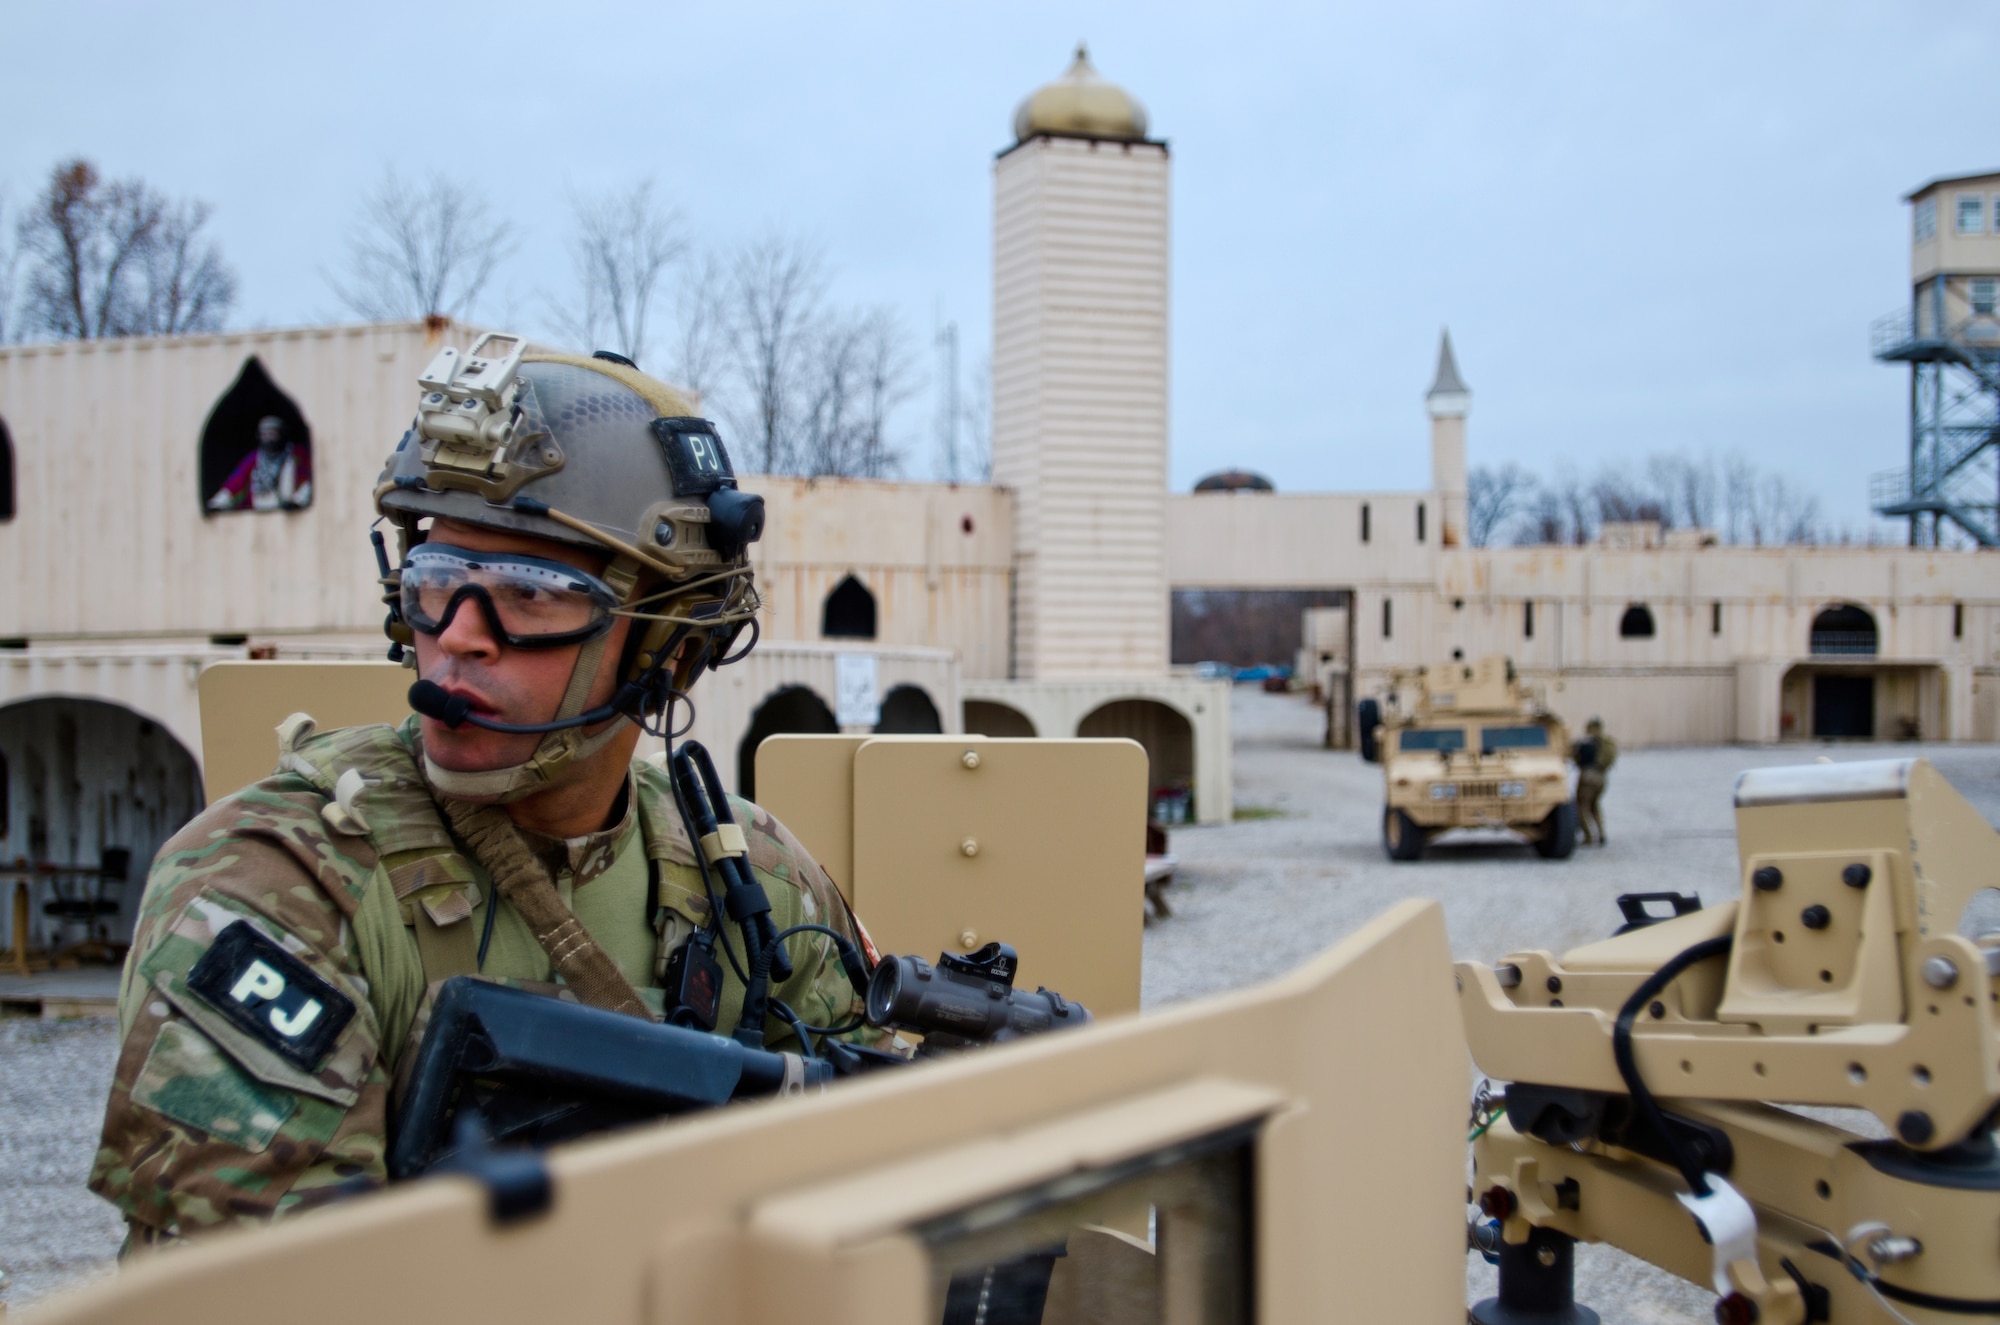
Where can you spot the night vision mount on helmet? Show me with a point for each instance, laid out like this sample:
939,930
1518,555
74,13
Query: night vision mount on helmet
592,453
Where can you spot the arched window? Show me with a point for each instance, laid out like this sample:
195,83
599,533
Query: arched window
256,450
1637,623
984,717
908,711
790,709
6,473
1844,628
849,612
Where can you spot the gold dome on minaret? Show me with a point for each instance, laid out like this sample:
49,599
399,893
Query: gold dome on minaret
1081,104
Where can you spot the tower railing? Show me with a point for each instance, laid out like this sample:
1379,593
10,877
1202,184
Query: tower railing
1892,335
1954,424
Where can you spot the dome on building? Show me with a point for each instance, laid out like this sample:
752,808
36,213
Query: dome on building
1235,480
1081,104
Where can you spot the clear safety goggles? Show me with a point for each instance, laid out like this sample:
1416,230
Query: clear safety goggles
529,602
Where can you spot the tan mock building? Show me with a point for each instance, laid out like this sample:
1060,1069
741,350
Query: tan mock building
1034,605
1671,638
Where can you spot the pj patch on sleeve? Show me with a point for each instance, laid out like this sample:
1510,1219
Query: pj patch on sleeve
271,995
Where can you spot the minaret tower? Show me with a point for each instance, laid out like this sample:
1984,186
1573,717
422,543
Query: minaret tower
1449,401
1080,230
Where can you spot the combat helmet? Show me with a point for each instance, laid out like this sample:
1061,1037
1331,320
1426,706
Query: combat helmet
592,453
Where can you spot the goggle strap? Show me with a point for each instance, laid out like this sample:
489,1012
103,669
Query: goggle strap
621,577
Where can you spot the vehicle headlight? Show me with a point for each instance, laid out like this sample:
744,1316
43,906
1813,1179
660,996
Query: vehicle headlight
1443,791
1512,791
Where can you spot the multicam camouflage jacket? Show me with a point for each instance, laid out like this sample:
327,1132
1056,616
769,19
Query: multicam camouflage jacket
333,898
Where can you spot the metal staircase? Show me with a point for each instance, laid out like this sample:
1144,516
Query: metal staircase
1954,471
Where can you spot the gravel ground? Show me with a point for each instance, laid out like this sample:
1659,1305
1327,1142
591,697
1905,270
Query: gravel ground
53,1232
1260,895
1250,899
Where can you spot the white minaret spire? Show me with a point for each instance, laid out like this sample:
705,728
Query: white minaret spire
1448,402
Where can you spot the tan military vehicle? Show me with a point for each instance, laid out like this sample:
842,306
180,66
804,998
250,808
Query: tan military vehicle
1468,745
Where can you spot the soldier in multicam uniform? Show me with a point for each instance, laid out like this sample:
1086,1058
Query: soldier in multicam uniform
1594,755
573,555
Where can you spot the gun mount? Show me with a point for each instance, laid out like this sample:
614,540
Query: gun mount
1663,1068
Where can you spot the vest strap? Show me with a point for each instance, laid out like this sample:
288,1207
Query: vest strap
447,950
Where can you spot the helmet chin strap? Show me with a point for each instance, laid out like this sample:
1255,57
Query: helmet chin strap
558,749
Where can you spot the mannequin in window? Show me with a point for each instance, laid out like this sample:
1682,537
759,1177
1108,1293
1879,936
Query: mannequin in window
277,476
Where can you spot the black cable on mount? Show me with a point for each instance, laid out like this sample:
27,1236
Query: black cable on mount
757,988
707,883
699,793
1628,1067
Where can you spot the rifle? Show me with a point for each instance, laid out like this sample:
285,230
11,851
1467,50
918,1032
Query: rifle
502,1066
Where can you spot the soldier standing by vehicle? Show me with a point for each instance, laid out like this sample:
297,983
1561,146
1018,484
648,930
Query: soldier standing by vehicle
573,556
1594,756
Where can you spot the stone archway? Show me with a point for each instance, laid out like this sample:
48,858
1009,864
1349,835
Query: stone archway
1168,738
92,785
989,717
792,708
908,711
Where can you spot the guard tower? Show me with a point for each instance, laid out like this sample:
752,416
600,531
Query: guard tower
1950,337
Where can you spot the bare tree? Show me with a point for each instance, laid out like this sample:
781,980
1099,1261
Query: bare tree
10,268
624,243
81,238
187,286
861,372
976,462
117,258
698,354
1741,502
421,250
776,289
1685,490
1621,499
1558,512
1493,497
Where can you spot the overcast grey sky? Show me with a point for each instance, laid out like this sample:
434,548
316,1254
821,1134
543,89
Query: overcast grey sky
1650,226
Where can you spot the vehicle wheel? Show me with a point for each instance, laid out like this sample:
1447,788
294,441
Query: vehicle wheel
1367,717
1401,837
1558,839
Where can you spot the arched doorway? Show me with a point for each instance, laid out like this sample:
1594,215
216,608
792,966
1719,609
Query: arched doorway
849,611
1637,623
1168,738
908,711
238,430
1844,629
789,709
95,787
6,473
985,717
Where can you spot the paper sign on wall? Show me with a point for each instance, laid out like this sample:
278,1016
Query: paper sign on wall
855,702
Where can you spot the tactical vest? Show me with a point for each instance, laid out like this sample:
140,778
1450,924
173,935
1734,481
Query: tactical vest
374,790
